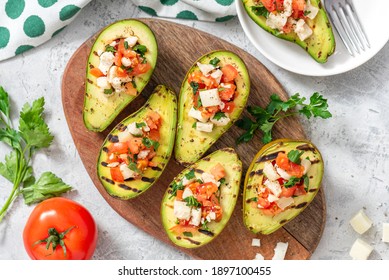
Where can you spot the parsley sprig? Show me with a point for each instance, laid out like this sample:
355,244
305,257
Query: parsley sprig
32,135
277,110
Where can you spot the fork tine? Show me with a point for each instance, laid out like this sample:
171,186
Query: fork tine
356,23
347,28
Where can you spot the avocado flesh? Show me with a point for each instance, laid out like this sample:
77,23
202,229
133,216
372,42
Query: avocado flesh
163,101
229,194
254,219
320,45
99,109
191,144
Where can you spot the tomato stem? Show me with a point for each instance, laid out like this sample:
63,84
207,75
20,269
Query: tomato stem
54,239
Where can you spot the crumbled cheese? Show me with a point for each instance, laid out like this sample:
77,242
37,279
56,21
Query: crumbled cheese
360,250
195,216
181,211
205,127
274,187
126,172
185,181
143,154
116,81
209,178
196,114
99,52
134,130
205,68
211,216
222,121
306,163
272,198
256,242
210,97
310,11
288,7
126,62
280,251
187,193
283,173
222,105
223,85
361,222
146,128
258,256
276,21
124,136
385,232
302,30
217,75
284,202
131,41
270,172
113,44
106,61
102,82
113,164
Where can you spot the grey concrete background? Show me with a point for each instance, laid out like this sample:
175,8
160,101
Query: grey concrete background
354,142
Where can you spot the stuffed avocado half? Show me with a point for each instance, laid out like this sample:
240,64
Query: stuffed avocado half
137,150
120,64
304,22
199,202
282,180
212,97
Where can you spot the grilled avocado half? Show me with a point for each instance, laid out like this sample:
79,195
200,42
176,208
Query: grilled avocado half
192,144
229,192
163,101
257,221
99,109
320,45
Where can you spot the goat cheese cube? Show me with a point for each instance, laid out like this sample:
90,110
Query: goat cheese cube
276,21
217,75
302,30
113,164
288,8
134,130
280,251
187,193
205,68
272,198
210,97
106,61
126,62
209,178
126,172
224,120
196,114
310,11
270,172
205,127
274,187
284,202
143,154
99,52
360,250
113,44
102,82
186,182
181,211
256,242
131,41
385,232
195,216
306,163
124,136
361,222
283,173
211,216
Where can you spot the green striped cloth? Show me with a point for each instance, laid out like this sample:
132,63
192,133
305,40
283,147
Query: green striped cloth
25,24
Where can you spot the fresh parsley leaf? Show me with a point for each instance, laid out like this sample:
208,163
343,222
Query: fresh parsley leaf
175,187
219,115
109,48
140,125
133,83
294,156
133,167
148,143
306,182
194,125
317,107
141,49
260,11
192,201
126,45
255,199
199,103
129,70
195,87
108,91
47,186
11,137
222,181
306,13
187,233
190,175
291,182
214,61
9,168
204,225
4,103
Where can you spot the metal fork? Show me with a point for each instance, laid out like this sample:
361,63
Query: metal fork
343,16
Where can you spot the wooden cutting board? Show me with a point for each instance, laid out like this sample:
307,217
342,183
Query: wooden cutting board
179,47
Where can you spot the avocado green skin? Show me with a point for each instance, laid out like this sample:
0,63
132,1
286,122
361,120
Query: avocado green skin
162,101
320,45
229,194
191,144
254,219
99,110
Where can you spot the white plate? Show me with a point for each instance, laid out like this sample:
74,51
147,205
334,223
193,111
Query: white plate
293,58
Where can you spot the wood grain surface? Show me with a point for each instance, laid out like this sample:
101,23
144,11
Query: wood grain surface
179,46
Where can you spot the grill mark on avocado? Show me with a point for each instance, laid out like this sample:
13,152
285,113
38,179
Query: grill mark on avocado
315,161
129,179
125,187
301,205
113,138
283,221
147,180
199,171
105,149
108,180
306,147
105,164
258,172
156,168
207,159
192,241
268,157
121,127
206,232
249,187
89,81
95,53
312,190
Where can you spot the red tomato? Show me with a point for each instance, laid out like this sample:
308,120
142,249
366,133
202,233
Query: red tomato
119,147
282,161
60,215
118,59
227,94
141,68
295,170
300,190
270,5
298,8
116,174
229,73
288,192
229,107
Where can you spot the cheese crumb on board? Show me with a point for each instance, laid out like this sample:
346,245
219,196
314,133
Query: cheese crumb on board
361,222
258,256
280,251
360,250
385,232
256,242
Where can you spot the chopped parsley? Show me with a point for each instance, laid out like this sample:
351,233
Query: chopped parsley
139,125
188,234
219,115
294,156
194,125
195,87
260,11
190,175
214,61
126,45
108,91
192,201
199,103
175,187
141,49
291,182
306,182
148,143
255,199
133,167
306,13
109,48
222,181
204,225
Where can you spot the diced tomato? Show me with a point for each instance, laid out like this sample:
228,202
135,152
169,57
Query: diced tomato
229,73
228,107
282,161
141,68
179,229
202,198
155,117
154,135
227,93
118,148
263,202
216,207
153,164
151,155
208,189
270,5
295,170
288,27
134,145
300,190
298,7
121,72
113,157
130,89
179,194
196,77
212,109
279,5
142,164
116,175
272,210
218,171
288,192
96,72
118,59
128,53
209,82
193,187
205,113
